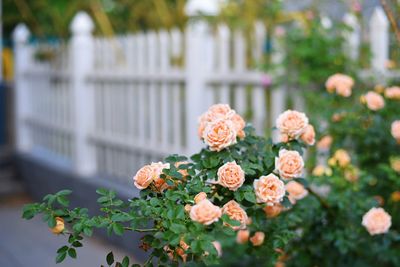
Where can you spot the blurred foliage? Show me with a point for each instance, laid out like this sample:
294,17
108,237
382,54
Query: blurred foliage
52,18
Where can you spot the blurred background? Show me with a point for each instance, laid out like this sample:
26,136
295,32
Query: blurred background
92,90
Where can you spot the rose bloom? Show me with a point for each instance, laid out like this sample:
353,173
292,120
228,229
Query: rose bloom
218,247
257,239
341,83
393,93
144,177
377,221
395,164
242,236
219,135
325,142
239,124
319,170
296,191
188,207
289,164
199,197
183,245
308,136
273,211
235,212
183,172
395,196
374,101
342,157
205,212
269,189
159,183
352,174
59,228
292,123
395,130
231,176
215,112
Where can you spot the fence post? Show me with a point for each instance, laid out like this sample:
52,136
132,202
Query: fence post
22,62
197,36
379,39
352,38
82,62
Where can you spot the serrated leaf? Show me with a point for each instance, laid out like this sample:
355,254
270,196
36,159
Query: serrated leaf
72,253
118,228
61,256
110,258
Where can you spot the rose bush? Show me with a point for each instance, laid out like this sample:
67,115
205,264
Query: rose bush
218,206
352,217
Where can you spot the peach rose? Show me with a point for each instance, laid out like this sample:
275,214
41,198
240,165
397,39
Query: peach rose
289,164
269,189
325,142
395,130
341,83
395,196
319,170
342,158
205,212
199,197
183,172
159,183
183,245
239,124
393,93
231,176
214,113
292,123
188,207
257,239
377,221
308,136
219,135
296,191
273,211
352,174
374,101
395,164
242,236
144,177
218,247
235,212
59,228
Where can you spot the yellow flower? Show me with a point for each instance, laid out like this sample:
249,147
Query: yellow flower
395,164
395,196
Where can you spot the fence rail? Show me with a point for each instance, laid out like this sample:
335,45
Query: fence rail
109,105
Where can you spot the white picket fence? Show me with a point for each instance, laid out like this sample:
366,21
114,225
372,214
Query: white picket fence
107,106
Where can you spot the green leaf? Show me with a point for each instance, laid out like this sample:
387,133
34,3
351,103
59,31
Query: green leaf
64,192
63,200
102,191
118,228
250,196
61,256
177,228
125,262
110,258
62,249
51,222
88,231
77,244
72,253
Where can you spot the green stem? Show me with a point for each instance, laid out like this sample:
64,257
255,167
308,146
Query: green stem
141,230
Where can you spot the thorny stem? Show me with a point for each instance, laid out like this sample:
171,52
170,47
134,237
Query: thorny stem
392,19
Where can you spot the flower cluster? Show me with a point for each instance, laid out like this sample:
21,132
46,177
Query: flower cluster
340,83
219,200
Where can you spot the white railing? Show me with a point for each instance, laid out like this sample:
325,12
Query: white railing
109,105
